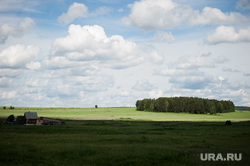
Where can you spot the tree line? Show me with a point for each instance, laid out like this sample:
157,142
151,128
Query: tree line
192,105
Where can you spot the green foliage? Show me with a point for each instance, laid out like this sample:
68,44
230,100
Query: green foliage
11,118
192,105
242,108
20,120
161,105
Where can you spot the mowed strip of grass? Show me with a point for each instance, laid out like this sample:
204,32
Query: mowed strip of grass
124,114
123,143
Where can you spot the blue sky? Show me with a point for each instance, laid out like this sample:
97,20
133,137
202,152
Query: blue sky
65,53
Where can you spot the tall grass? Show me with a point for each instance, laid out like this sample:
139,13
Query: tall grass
122,143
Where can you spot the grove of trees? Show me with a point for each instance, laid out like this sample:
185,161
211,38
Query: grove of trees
192,105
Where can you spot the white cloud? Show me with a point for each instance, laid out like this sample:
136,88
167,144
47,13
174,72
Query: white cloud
243,4
156,14
33,65
228,69
8,94
5,82
178,72
76,10
18,56
8,72
163,37
166,14
7,30
31,82
155,94
101,11
194,62
143,85
124,93
90,43
79,10
185,73
228,34
215,16
191,82
19,5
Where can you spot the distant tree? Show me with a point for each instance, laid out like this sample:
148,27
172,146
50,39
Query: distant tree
96,106
161,104
211,107
185,104
4,107
148,104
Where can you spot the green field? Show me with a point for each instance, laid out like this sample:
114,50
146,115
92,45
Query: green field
124,114
123,136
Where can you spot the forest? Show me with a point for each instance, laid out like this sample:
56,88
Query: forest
192,105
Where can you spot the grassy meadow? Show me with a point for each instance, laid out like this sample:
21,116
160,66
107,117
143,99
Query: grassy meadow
123,136
123,114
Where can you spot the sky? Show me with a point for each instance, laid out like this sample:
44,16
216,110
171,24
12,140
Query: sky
82,53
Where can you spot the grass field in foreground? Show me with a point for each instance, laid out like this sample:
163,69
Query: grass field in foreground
123,114
103,142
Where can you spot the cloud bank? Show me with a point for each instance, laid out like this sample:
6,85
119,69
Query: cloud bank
228,34
90,43
166,14
7,30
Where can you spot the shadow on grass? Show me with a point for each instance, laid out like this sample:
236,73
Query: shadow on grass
123,142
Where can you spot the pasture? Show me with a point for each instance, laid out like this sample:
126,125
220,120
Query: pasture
123,114
123,136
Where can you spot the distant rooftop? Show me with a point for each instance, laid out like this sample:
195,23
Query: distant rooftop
30,115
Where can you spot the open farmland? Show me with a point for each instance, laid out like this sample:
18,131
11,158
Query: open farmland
124,114
123,136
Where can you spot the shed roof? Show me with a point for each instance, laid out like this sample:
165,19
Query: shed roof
30,115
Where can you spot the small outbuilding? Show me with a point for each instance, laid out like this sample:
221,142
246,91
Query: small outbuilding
30,118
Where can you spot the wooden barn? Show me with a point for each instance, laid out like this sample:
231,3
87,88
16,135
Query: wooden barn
30,117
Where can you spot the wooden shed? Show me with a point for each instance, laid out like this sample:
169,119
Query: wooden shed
30,117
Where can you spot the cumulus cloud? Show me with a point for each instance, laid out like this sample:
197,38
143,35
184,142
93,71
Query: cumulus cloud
76,10
243,4
215,16
18,56
166,14
79,10
7,30
228,34
90,43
